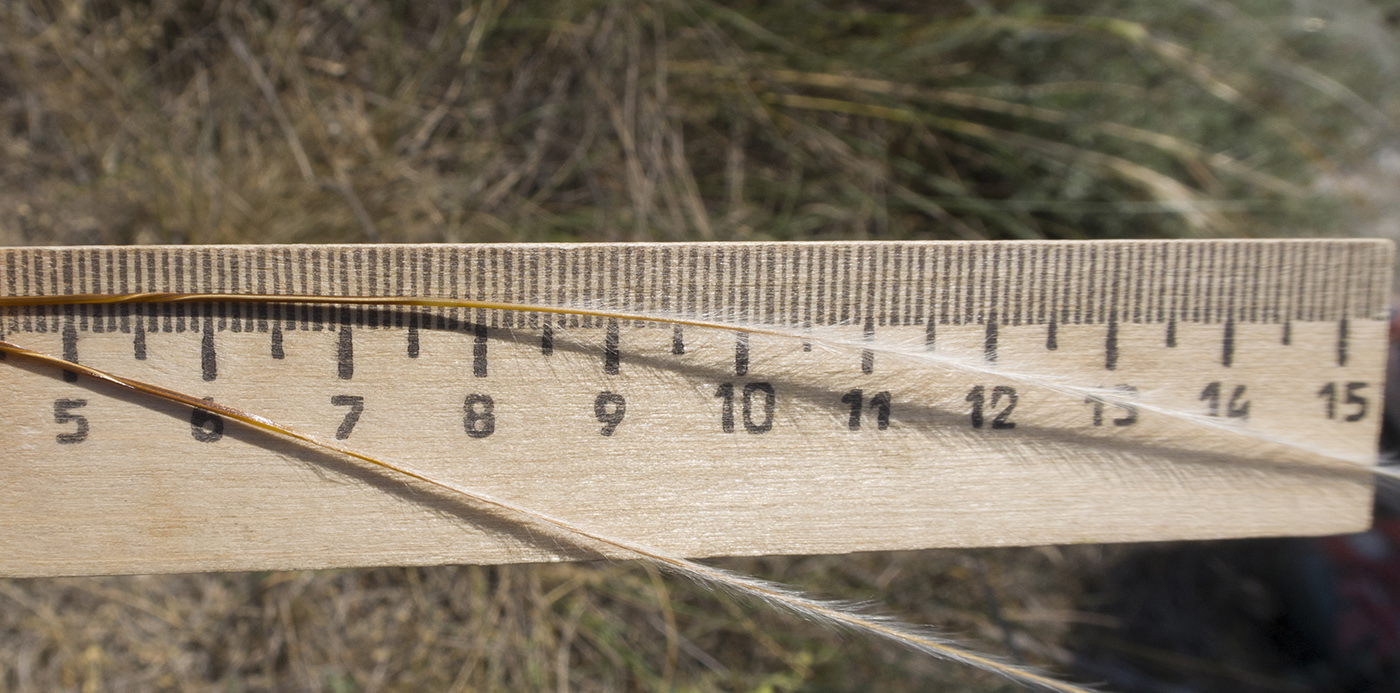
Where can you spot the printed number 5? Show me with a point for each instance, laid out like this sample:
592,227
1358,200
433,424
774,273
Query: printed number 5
62,413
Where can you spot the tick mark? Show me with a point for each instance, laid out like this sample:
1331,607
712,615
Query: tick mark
867,357
208,360
1052,334
70,350
138,340
1110,344
741,354
1227,345
677,340
345,353
414,343
989,345
276,346
479,351
611,355
1342,342
547,339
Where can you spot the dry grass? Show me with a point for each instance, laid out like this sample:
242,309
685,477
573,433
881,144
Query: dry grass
192,122
234,121
556,627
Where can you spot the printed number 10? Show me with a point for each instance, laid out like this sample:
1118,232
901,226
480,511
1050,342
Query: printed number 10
726,392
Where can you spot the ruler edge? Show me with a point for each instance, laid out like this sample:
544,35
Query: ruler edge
1386,246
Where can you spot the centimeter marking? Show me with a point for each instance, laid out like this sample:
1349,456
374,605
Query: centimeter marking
1244,369
804,284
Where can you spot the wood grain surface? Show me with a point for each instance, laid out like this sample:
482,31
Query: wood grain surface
923,394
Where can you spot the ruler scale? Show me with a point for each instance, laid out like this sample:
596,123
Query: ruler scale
859,396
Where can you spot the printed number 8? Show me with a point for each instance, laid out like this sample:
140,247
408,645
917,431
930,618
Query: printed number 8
479,420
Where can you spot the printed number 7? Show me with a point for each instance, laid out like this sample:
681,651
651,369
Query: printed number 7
352,417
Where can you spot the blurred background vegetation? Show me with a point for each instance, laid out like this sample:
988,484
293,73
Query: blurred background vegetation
237,121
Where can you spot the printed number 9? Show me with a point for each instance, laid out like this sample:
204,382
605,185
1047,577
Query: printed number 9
610,407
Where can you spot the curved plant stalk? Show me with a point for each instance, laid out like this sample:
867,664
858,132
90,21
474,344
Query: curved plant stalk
832,613
1047,381
1184,151
1199,68
1161,186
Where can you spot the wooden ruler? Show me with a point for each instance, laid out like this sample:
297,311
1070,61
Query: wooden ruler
862,396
